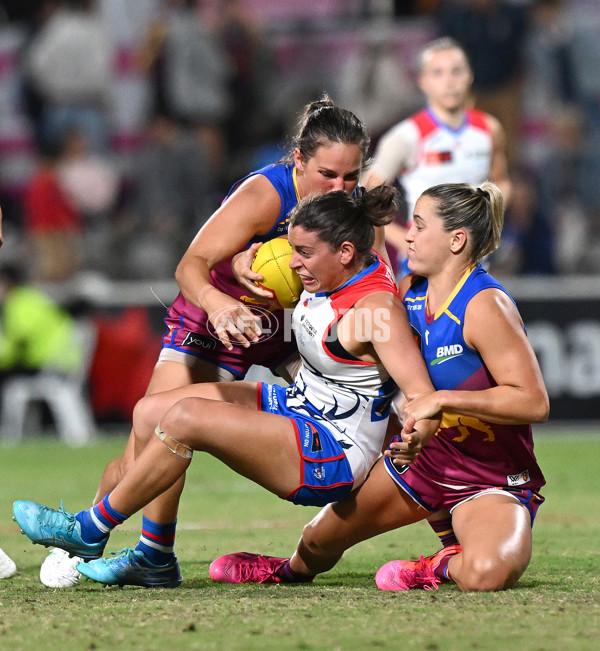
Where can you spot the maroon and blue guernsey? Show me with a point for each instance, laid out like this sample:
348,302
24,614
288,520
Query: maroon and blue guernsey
467,454
189,329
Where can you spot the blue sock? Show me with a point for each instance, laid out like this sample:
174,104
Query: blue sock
157,541
99,521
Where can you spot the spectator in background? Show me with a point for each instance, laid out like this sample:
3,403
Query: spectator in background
252,76
173,191
527,238
492,33
563,59
190,72
365,84
570,192
91,182
33,20
52,226
36,333
68,64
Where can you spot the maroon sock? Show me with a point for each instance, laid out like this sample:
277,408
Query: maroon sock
441,571
287,575
444,531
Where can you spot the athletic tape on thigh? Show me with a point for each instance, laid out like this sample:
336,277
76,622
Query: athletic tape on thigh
180,449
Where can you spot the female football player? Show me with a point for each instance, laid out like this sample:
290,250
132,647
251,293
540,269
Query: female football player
489,389
311,443
213,334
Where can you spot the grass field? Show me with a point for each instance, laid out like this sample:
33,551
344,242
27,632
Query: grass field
556,605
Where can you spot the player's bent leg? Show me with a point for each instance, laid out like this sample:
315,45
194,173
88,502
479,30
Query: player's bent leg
338,526
495,534
59,569
379,505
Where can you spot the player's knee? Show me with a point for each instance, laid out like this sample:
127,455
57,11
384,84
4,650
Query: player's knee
489,574
309,541
180,422
317,543
142,417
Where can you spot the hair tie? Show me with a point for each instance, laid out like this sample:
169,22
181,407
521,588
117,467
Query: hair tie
484,193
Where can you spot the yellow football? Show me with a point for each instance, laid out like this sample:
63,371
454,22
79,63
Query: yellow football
272,260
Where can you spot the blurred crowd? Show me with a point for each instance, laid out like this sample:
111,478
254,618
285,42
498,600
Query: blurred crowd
222,83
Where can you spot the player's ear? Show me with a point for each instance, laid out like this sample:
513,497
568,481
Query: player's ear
458,240
298,162
347,251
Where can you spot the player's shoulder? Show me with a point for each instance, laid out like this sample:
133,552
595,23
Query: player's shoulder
404,284
485,121
405,129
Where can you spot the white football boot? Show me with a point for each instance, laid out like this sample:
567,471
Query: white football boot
7,565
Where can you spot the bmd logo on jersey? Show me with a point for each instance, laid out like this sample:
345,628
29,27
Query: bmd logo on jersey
446,353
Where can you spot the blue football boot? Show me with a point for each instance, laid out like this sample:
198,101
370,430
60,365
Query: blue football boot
131,567
52,528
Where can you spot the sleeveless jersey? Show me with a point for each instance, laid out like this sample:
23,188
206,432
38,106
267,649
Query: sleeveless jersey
439,153
184,317
466,451
351,396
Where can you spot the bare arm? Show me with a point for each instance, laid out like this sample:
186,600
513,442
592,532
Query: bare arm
494,328
391,157
392,344
499,163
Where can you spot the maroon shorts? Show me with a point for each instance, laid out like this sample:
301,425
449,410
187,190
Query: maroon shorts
434,496
269,351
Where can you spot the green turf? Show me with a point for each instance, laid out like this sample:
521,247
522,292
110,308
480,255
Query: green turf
556,605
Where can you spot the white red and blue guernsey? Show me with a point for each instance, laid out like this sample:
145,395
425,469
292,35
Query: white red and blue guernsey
351,397
468,454
439,153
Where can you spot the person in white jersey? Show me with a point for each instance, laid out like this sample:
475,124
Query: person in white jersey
448,141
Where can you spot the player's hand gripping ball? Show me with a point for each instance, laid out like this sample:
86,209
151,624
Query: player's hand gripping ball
272,260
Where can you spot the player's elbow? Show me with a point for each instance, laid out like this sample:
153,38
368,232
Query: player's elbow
180,271
540,408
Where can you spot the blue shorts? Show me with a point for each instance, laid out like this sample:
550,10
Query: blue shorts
325,473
